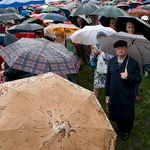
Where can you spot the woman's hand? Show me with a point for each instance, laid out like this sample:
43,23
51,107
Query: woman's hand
99,51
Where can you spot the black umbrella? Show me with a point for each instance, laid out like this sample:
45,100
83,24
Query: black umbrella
11,16
85,9
33,20
110,11
73,20
54,16
25,28
123,6
141,26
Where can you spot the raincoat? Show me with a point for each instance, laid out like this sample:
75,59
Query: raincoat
122,92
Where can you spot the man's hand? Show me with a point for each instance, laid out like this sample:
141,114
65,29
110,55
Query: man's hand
1,74
124,75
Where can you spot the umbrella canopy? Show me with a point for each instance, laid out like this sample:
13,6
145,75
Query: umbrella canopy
74,20
49,112
11,16
138,12
25,28
110,11
147,2
88,34
141,26
51,9
147,7
85,9
138,46
54,16
71,5
25,12
17,3
123,6
40,56
52,28
33,20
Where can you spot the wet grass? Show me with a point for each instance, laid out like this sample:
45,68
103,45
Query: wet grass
140,135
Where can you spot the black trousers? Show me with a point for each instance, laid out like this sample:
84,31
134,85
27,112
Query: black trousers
125,127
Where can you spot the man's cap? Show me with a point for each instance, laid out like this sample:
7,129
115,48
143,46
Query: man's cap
144,18
120,43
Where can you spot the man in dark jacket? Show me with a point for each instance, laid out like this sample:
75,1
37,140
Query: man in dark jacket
122,75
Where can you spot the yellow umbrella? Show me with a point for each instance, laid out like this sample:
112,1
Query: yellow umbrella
67,28
47,112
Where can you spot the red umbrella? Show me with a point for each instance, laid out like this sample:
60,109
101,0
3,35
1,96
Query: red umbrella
37,5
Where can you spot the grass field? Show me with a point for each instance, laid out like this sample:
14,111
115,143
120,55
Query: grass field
140,135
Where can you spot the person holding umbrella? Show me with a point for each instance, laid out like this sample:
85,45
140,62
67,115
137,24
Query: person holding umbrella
99,79
122,75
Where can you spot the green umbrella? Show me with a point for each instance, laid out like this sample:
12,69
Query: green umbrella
50,9
110,11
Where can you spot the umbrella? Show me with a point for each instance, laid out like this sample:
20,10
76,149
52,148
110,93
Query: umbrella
25,28
85,9
123,6
141,26
138,12
147,7
33,20
71,5
88,34
134,4
138,46
107,3
110,11
51,9
17,3
2,11
122,3
40,56
94,2
11,16
54,16
49,112
25,12
74,20
68,29
147,2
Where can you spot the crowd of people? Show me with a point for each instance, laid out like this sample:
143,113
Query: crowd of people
121,82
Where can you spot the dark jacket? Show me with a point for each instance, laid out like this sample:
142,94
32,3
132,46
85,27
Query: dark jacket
122,92
14,74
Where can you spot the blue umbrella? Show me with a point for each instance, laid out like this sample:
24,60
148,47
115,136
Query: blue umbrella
147,2
25,12
14,3
54,16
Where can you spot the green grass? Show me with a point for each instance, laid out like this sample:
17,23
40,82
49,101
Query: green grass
140,134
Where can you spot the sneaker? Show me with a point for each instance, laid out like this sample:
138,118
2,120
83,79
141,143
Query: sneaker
146,73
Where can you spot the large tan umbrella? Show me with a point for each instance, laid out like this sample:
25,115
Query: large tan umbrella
47,112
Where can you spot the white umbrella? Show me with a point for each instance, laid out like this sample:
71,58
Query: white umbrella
88,35
138,46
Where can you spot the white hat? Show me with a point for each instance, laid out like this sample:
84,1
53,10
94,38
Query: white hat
144,18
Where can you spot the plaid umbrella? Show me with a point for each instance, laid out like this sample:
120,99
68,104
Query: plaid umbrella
138,12
67,28
40,56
